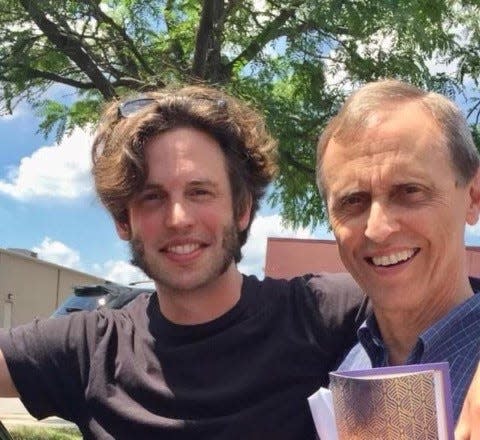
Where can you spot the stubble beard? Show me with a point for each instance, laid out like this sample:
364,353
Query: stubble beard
230,247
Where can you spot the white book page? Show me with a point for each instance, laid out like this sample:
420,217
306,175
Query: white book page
321,406
440,403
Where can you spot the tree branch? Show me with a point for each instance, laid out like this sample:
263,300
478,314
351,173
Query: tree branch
37,73
207,39
71,47
472,110
288,157
49,76
270,32
130,44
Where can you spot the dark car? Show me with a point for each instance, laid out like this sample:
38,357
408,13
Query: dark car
91,297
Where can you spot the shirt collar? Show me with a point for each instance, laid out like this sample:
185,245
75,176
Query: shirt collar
462,316
371,339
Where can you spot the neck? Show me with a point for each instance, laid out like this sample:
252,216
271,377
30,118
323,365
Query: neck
400,329
398,342
204,304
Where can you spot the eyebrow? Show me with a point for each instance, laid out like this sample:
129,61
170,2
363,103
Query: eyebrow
341,195
207,182
148,186
195,182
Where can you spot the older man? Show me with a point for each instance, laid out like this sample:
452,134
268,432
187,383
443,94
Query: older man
399,170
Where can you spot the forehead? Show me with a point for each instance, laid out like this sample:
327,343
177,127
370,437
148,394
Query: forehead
184,152
399,141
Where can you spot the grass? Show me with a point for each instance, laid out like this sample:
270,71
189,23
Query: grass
30,433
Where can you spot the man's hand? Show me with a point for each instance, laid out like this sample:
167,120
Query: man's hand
468,425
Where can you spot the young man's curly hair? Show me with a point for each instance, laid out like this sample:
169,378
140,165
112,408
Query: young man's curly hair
119,167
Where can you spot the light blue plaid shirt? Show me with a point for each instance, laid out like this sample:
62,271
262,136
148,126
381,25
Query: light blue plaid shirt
455,339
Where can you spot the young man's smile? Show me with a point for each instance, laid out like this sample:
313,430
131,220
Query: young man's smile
181,225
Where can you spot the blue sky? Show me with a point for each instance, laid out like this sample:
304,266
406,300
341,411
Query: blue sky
47,205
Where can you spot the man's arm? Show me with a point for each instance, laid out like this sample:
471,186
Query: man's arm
341,309
7,388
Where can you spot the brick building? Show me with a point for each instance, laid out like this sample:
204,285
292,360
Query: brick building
288,257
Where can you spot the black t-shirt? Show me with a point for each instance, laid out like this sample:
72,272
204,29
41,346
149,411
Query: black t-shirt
132,374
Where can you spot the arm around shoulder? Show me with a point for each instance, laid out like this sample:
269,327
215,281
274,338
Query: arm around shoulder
340,299
7,387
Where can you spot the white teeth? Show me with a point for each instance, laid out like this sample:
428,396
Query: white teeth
387,260
183,249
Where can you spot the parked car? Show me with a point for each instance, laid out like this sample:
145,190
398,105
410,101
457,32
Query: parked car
91,297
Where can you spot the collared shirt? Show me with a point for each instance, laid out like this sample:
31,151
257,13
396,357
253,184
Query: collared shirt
455,339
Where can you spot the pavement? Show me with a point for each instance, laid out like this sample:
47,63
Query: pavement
12,412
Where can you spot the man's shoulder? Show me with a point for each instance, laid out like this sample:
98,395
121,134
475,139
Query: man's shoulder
323,290
341,283
276,286
130,315
332,282
91,324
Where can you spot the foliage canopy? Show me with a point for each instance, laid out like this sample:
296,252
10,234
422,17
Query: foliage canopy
295,60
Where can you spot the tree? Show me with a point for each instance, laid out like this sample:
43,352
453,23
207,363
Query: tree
293,59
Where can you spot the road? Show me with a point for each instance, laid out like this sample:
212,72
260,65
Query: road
12,412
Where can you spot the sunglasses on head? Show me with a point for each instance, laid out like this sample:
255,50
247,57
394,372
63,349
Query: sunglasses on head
129,108
132,106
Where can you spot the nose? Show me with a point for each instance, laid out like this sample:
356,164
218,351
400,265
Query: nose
381,222
179,215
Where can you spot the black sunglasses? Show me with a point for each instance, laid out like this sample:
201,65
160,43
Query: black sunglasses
132,106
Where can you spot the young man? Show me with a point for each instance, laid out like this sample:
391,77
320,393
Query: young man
400,173
213,354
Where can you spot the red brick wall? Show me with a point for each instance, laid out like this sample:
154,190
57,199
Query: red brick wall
289,257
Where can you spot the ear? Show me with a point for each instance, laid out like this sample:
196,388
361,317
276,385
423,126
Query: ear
244,218
473,209
123,230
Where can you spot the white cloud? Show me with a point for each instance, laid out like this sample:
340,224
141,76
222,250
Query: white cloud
120,272
253,261
60,170
58,253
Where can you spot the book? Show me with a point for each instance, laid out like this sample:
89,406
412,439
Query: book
408,402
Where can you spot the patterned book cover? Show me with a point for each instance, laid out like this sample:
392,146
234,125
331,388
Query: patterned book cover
399,403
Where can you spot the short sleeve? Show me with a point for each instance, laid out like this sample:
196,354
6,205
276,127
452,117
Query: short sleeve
48,361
